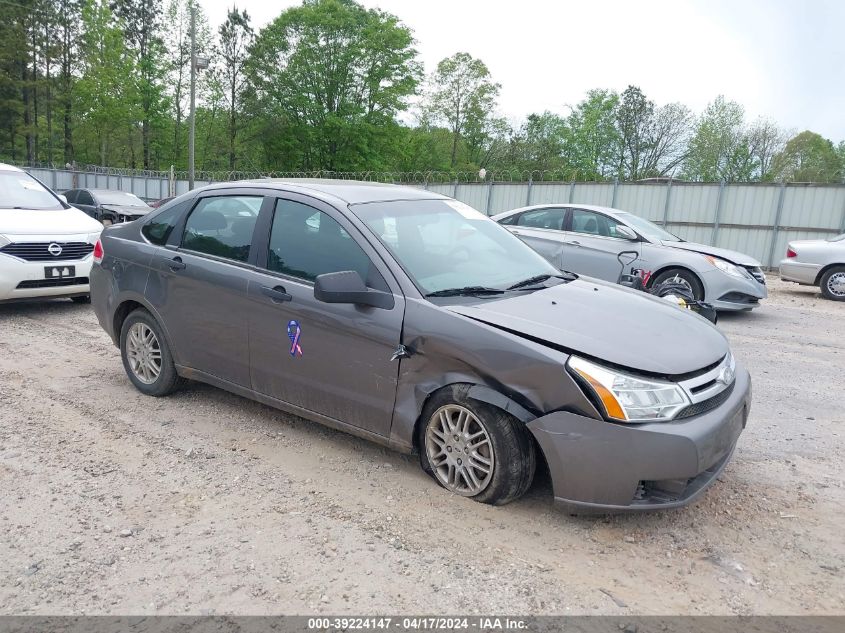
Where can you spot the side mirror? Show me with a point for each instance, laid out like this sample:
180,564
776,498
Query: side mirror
62,197
347,287
627,232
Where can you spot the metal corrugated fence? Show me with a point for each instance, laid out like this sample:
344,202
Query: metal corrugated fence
755,218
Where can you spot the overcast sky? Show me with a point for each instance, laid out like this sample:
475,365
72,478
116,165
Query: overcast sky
779,58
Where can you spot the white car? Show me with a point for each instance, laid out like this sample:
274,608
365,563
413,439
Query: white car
817,263
46,245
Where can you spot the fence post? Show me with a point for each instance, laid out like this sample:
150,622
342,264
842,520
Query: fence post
666,204
489,196
842,226
716,215
53,178
528,193
776,227
455,190
571,192
146,188
613,197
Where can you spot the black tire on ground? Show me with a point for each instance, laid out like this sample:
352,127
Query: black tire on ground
81,299
167,380
825,283
682,273
514,458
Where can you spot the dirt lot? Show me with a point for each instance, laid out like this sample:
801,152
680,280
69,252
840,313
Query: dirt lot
113,502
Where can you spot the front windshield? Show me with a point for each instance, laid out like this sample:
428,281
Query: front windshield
445,244
120,197
19,190
647,229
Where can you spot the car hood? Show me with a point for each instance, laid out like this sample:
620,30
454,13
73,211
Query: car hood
128,209
609,323
53,222
734,257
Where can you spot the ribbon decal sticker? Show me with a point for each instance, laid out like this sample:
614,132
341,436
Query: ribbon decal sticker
294,331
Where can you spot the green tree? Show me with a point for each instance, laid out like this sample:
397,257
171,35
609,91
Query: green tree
719,148
141,20
236,36
592,139
327,79
105,94
462,95
766,139
808,157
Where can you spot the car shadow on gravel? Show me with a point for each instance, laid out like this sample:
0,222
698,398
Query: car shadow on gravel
38,307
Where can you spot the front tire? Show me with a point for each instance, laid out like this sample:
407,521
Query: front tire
682,275
146,355
474,449
833,284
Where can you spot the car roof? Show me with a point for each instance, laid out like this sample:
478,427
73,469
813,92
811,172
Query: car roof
564,205
6,167
348,191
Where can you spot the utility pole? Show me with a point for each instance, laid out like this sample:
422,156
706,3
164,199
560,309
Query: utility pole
192,126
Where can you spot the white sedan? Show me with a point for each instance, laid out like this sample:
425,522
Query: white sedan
46,245
817,263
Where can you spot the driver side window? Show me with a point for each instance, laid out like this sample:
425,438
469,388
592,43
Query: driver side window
592,223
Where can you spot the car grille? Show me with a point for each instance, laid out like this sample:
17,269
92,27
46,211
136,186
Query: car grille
52,283
39,251
706,405
757,273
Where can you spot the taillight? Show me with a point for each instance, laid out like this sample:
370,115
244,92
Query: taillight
791,253
98,252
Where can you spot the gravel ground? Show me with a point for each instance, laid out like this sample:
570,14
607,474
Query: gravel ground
115,503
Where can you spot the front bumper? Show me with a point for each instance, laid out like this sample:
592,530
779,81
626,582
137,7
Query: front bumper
801,273
601,467
727,293
21,279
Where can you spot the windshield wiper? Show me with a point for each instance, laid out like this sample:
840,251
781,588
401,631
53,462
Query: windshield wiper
536,279
467,290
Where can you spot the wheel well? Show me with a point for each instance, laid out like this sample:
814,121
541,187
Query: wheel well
123,311
824,270
660,271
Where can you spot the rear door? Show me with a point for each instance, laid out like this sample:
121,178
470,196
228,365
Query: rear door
200,283
331,359
542,230
591,245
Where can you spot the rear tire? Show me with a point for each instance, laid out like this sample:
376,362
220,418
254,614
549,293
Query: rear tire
487,455
833,283
146,355
685,276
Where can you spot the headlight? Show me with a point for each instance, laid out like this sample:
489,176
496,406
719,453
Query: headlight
725,266
628,398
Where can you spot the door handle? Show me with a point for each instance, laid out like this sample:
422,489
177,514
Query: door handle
574,243
515,232
277,293
176,264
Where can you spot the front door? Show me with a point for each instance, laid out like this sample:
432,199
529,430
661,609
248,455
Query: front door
332,359
200,281
591,245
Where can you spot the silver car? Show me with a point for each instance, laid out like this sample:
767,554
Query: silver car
817,263
587,239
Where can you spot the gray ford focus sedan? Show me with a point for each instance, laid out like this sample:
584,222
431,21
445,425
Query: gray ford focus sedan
412,320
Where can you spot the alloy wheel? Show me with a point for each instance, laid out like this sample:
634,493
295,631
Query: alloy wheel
836,284
143,352
459,450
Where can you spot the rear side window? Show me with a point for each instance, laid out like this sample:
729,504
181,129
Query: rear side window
306,243
543,219
71,195
83,197
222,226
159,228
